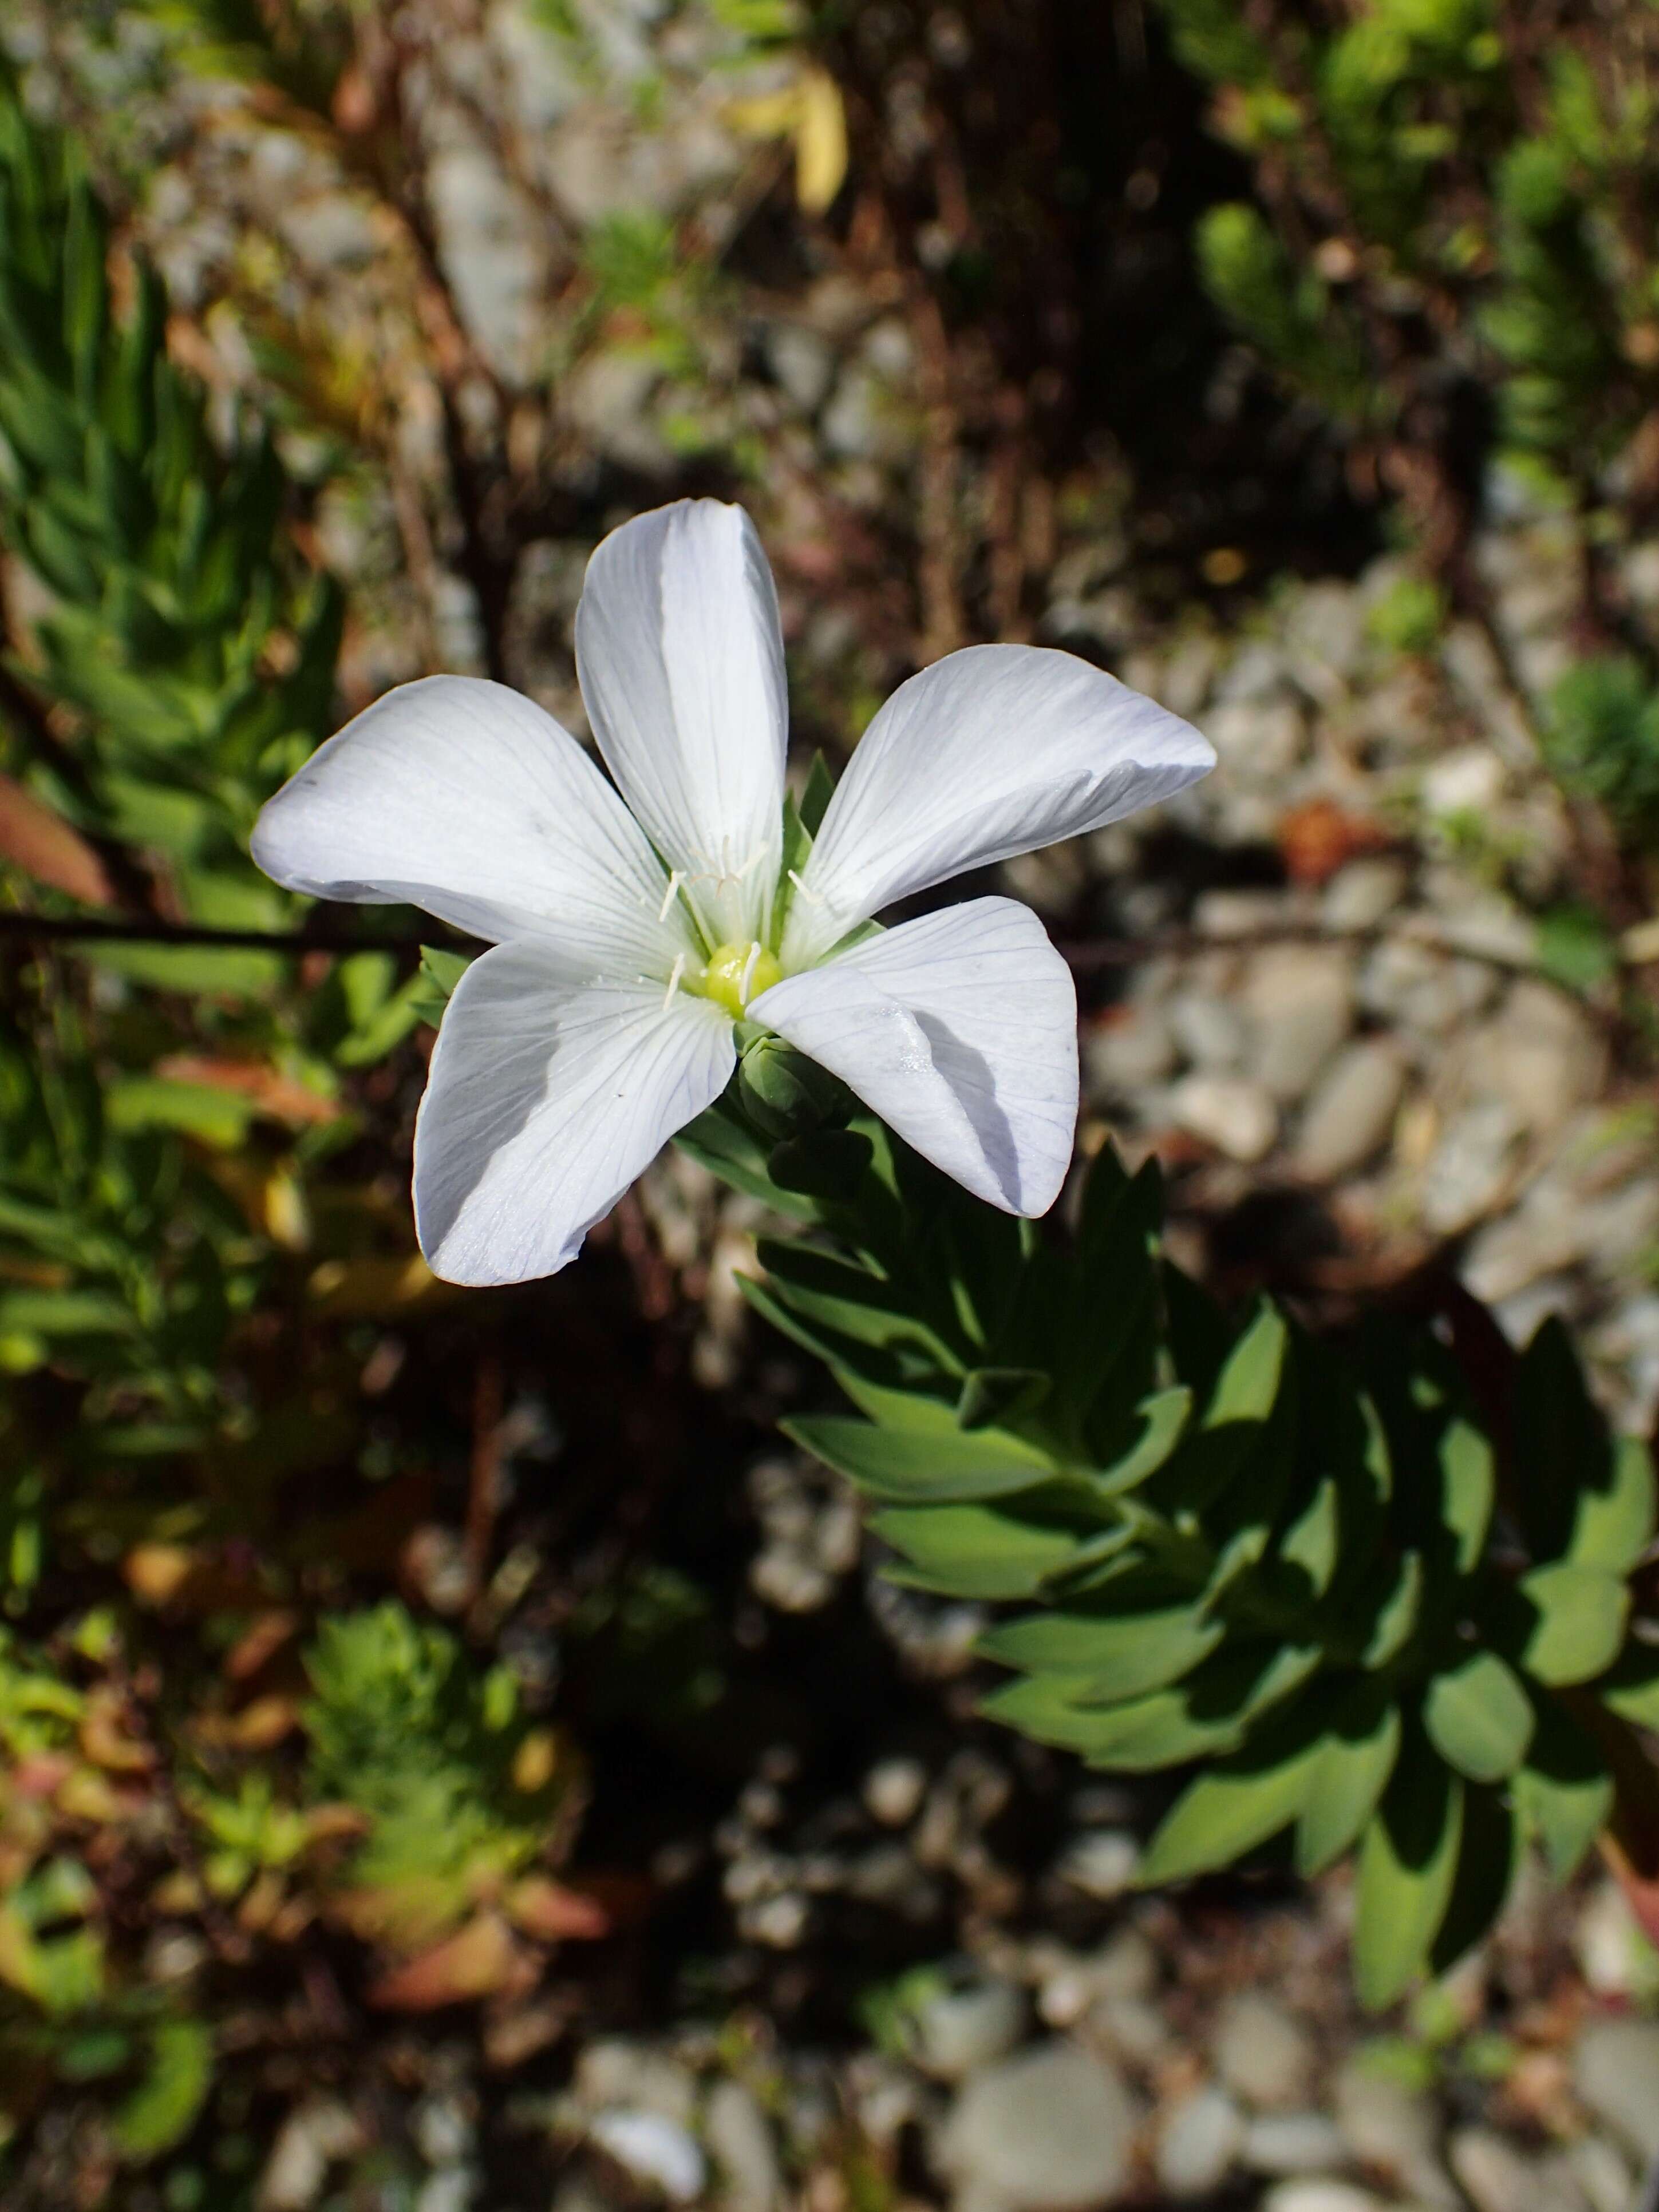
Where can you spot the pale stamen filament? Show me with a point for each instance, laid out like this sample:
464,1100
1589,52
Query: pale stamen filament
812,897
669,896
674,975
748,973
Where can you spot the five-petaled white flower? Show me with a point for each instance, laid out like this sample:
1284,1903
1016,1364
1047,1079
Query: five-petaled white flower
630,932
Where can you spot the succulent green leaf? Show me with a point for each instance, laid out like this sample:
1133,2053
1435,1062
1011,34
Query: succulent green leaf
1162,1419
1361,1745
1562,1623
1564,1793
1400,1607
1468,1486
1228,1811
1478,1717
902,1467
1116,1648
1488,1854
972,1551
991,1395
1408,1865
1614,1525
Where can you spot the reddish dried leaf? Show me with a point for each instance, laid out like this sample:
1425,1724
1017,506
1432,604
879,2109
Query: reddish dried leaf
35,838
552,1913
280,1096
481,1960
259,1643
1319,837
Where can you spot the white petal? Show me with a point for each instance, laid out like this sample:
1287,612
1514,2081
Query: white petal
463,798
991,751
545,1100
681,658
960,1030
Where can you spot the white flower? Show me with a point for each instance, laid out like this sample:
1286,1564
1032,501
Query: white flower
628,936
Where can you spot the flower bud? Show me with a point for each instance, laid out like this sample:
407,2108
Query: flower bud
786,1095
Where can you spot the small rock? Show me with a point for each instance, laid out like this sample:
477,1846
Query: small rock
893,1790
1051,2130
1257,739
802,363
307,2143
1470,1166
737,2133
1363,894
1599,2168
958,2032
1396,2129
1497,2177
654,2150
1320,2193
1101,1863
1261,2052
1209,1030
1132,1048
1615,2072
1615,1957
1301,1000
1292,2143
616,2072
1199,2139
1136,2030
1228,1111
1350,1115
1541,1054
1468,780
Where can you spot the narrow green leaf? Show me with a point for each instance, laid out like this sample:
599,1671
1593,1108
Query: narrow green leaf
1408,1865
1631,1688
841,1295
1310,1543
1480,1718
1469,1487
1164,1418
815,794
991,1395
1615,1526
1247,1388
1562,1623
1488,1854
1116,1648
716,1141
905,1468
1225,1813
1564,1794
1140,1736
971,1551
1357,1759
1397,1614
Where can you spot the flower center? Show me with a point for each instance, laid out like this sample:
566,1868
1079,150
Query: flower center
736,973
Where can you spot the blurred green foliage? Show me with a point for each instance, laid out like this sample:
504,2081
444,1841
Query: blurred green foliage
1450,254
168,1116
